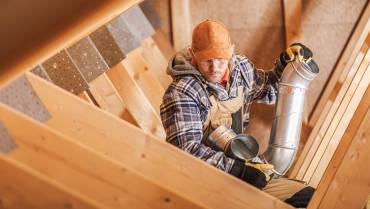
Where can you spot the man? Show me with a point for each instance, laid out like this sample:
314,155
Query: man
210,84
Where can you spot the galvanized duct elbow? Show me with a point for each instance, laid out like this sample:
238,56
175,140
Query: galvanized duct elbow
286,128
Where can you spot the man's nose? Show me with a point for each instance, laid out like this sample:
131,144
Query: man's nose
213,65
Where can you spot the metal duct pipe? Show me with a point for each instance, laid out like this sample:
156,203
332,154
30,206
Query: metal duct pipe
286,128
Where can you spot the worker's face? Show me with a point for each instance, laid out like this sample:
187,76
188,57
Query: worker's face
214,69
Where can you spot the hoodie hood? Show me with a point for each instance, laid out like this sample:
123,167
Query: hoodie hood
180,64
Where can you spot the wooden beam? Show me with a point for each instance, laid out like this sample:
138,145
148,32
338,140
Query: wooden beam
163,44
22,187
346,181
292,21
343,67
155,59
86,97
160,162
109,99
319,130
77,166
136,101
181,23
144,77
337,127
293,34
52,37
335,115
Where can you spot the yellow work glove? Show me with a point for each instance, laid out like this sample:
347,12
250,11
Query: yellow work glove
263,167
296,51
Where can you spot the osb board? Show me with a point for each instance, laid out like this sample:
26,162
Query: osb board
327,25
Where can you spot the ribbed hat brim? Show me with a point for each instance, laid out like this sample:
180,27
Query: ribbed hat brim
214,53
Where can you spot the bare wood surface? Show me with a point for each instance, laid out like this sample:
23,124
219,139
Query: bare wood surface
53,37
161,162
136,102
75,165
347,175
22,187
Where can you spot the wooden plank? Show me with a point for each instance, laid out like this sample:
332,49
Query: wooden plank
161,162
346,108
155,59
36,191
315,140
136,101
343,66
292,21
75,165
145,78
338,126
53,37
181,27
311,145
163,44
349,187
108,98
340,152
84,96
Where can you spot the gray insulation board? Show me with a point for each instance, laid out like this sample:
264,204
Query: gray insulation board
87,58
7,143
20,95
64,73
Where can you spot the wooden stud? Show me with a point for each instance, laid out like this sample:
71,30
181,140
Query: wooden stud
313,141
292,21
53,39
337,128
136,101
77,166
346,181
84,96
22,187
181,26
145,78
340,103
109,99
341,151
160,162
155,59
343,67
163,44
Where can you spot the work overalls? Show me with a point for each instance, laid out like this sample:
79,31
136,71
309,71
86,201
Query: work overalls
220,113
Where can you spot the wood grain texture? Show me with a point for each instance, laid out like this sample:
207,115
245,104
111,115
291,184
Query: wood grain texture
158,161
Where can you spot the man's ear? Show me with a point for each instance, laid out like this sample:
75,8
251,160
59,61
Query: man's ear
193,59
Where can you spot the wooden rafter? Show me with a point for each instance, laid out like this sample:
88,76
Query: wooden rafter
22,187
345,183
82,169
161,162
343,67
292,21
181,25
71,29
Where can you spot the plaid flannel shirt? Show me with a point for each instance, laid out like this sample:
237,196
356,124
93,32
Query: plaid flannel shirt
186,104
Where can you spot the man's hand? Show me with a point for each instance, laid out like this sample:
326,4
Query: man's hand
263,167
297,51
